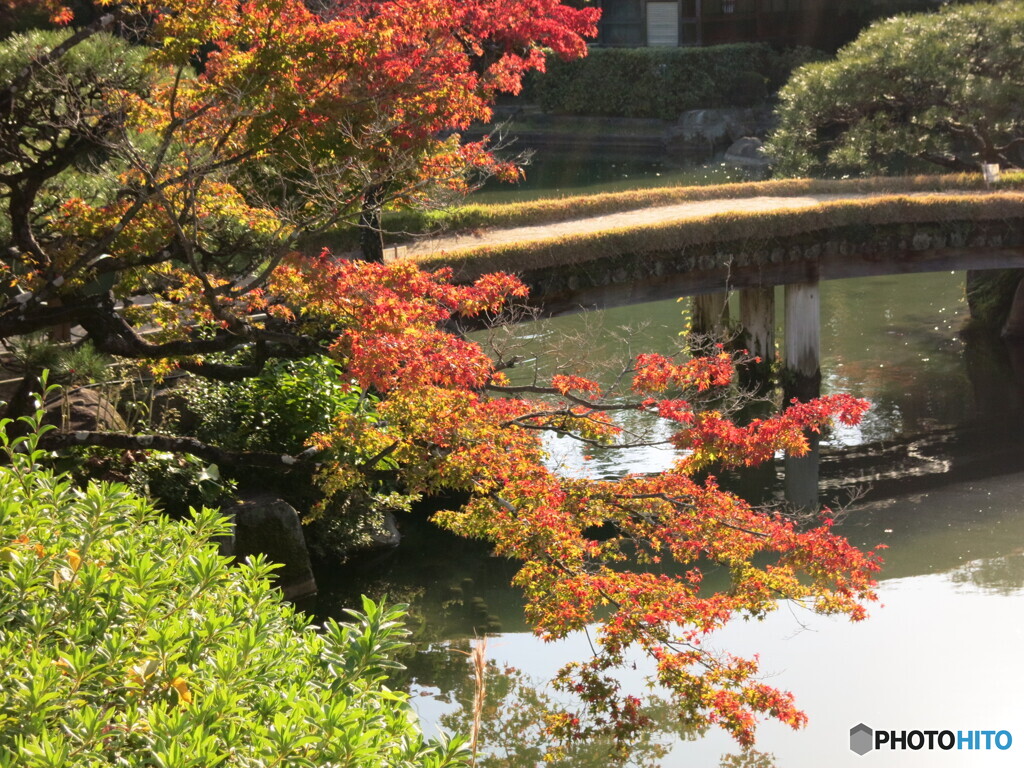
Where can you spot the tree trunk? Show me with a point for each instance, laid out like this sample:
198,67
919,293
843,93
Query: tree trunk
371,236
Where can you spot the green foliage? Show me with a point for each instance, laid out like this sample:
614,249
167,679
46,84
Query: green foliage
173,482
68,364
943,88
179,481
664,82
102,58
72,92
277,410
126,640
82,364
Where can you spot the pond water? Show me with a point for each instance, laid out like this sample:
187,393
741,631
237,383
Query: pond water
558,174
940,463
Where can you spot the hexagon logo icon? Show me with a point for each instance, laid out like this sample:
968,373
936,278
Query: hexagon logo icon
861,739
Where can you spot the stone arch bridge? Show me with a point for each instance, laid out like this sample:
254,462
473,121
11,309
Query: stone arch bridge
752,248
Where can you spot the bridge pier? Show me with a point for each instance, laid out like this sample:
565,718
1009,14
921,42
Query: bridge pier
1013,328
710,315
802,360
802,380
709,321
757,331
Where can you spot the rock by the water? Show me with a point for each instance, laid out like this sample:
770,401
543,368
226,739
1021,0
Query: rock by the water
84,410
707,130
747,153
386,535
270,526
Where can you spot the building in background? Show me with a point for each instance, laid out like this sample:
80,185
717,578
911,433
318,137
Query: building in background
823,24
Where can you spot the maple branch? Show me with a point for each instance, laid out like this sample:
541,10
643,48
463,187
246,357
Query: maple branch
682,505
112,334
372,462
535,389
579,438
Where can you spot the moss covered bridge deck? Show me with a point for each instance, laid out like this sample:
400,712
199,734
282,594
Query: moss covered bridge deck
705,247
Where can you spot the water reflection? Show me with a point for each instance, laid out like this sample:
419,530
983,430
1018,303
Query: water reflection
954,576
971,532
944,406
1002,575
953,579
565,173
516,709
517,706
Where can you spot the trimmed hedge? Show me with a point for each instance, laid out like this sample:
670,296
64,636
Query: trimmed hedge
665,82
126,640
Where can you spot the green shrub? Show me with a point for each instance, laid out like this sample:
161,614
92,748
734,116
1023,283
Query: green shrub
179,481
664,82
277,410
125,640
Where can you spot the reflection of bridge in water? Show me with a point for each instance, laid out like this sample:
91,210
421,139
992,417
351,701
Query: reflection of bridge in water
785,252
905,465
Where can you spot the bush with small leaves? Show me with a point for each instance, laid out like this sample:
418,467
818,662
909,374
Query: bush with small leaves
178,481
927,91
277,410
126,640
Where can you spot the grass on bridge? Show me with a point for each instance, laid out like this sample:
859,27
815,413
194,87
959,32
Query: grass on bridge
473,217
755,229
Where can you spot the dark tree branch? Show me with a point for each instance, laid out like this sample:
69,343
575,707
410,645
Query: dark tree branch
947,161
18,319
54,440
534,389
111,333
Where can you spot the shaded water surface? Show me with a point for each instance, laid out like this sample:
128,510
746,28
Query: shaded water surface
938,459
559,174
